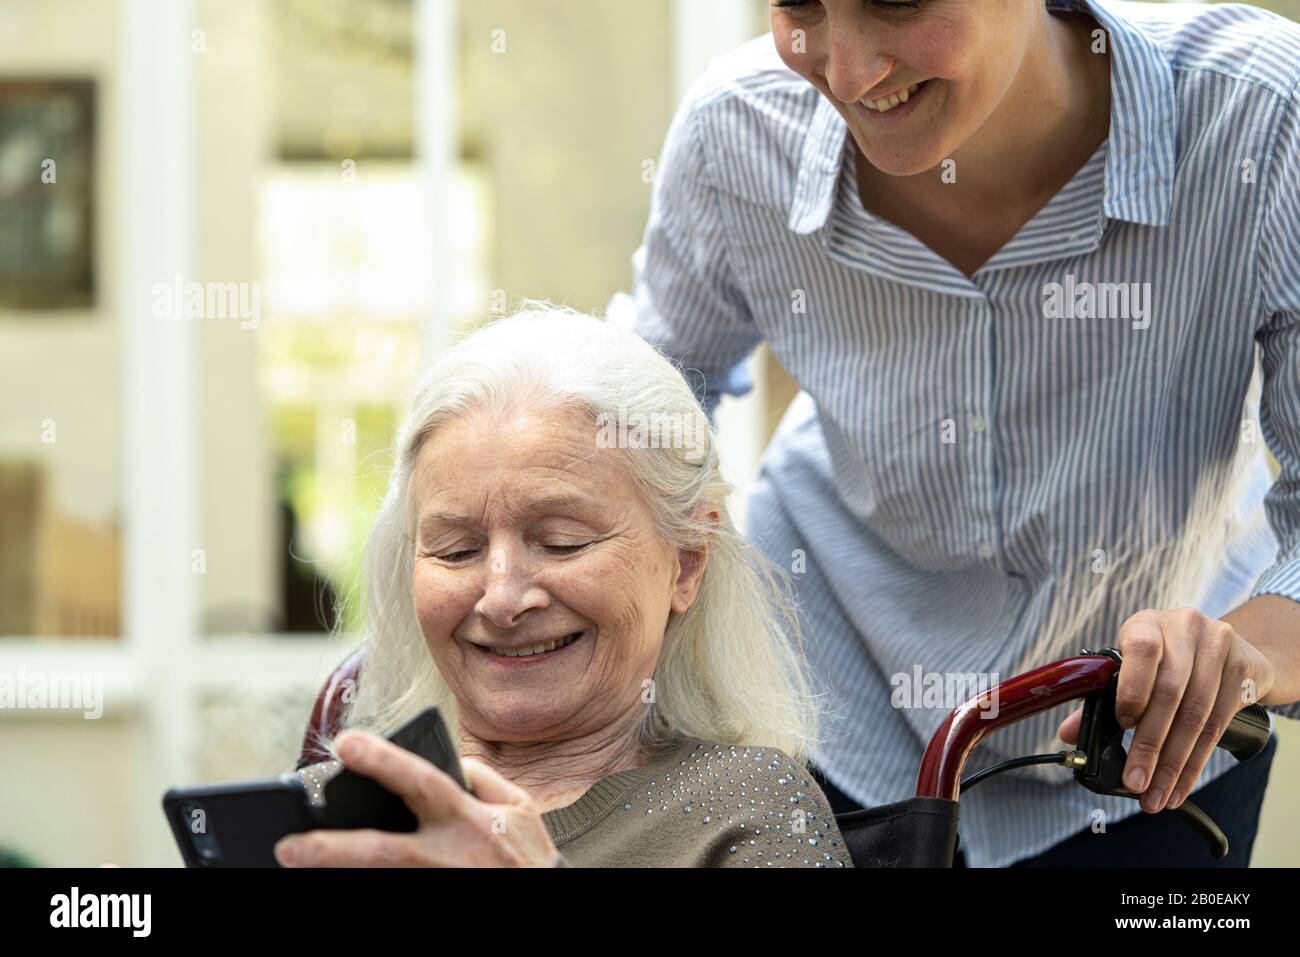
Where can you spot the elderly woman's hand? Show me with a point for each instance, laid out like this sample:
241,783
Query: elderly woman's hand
496,826
1184,677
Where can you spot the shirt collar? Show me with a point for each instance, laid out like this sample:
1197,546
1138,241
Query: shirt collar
1140,150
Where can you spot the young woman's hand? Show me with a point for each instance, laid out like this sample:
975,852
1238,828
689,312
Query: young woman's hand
496,826
1185,675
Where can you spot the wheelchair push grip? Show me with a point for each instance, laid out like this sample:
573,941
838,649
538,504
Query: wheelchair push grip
1246,735
1099,756
1248,732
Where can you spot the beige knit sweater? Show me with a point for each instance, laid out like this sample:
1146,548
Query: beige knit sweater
693,804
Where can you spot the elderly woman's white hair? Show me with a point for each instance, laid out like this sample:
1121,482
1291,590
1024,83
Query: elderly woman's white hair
731,669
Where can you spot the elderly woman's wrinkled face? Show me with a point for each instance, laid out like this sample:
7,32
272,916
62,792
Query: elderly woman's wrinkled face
540,584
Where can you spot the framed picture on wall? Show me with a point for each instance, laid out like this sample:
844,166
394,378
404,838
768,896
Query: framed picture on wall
47,180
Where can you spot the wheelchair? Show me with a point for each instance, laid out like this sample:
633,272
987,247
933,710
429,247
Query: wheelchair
921,831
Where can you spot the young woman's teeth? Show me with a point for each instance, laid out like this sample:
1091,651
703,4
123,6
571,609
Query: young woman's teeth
887,104
536,649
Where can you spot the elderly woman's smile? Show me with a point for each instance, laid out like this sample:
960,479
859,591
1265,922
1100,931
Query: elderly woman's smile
541,588
533,650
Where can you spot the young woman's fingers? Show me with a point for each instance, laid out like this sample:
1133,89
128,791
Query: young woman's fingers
1141,643
1186,739
1069,729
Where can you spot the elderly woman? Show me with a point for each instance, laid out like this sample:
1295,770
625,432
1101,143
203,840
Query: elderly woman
554,565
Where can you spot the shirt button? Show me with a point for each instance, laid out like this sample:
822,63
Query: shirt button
986,550
977,424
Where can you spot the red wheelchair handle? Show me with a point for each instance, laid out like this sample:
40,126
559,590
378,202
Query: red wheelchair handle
1014,699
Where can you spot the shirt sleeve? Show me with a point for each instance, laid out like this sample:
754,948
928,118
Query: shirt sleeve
685,299
1279,339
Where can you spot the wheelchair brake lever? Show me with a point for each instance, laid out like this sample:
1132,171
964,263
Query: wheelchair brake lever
1102,756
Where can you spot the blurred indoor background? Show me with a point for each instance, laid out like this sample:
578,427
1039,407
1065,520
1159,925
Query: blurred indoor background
181,504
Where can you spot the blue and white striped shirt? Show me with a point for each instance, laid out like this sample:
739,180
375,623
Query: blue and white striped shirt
983,475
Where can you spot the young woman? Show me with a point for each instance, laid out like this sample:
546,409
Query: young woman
1024,260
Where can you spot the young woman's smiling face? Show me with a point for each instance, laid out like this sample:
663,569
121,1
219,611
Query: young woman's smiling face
527,537
954,60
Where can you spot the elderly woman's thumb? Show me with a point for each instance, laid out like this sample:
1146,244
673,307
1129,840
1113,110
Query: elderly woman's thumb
486,785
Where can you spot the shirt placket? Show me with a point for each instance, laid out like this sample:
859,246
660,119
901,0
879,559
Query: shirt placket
980,421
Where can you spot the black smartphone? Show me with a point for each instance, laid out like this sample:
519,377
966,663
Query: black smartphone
238,824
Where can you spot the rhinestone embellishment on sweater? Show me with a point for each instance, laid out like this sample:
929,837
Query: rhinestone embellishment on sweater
758,790
316,776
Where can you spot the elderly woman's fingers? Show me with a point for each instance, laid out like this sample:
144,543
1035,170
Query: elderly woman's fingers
428,791
489,786
365,848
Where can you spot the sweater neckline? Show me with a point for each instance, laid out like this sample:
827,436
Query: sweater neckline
573,820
